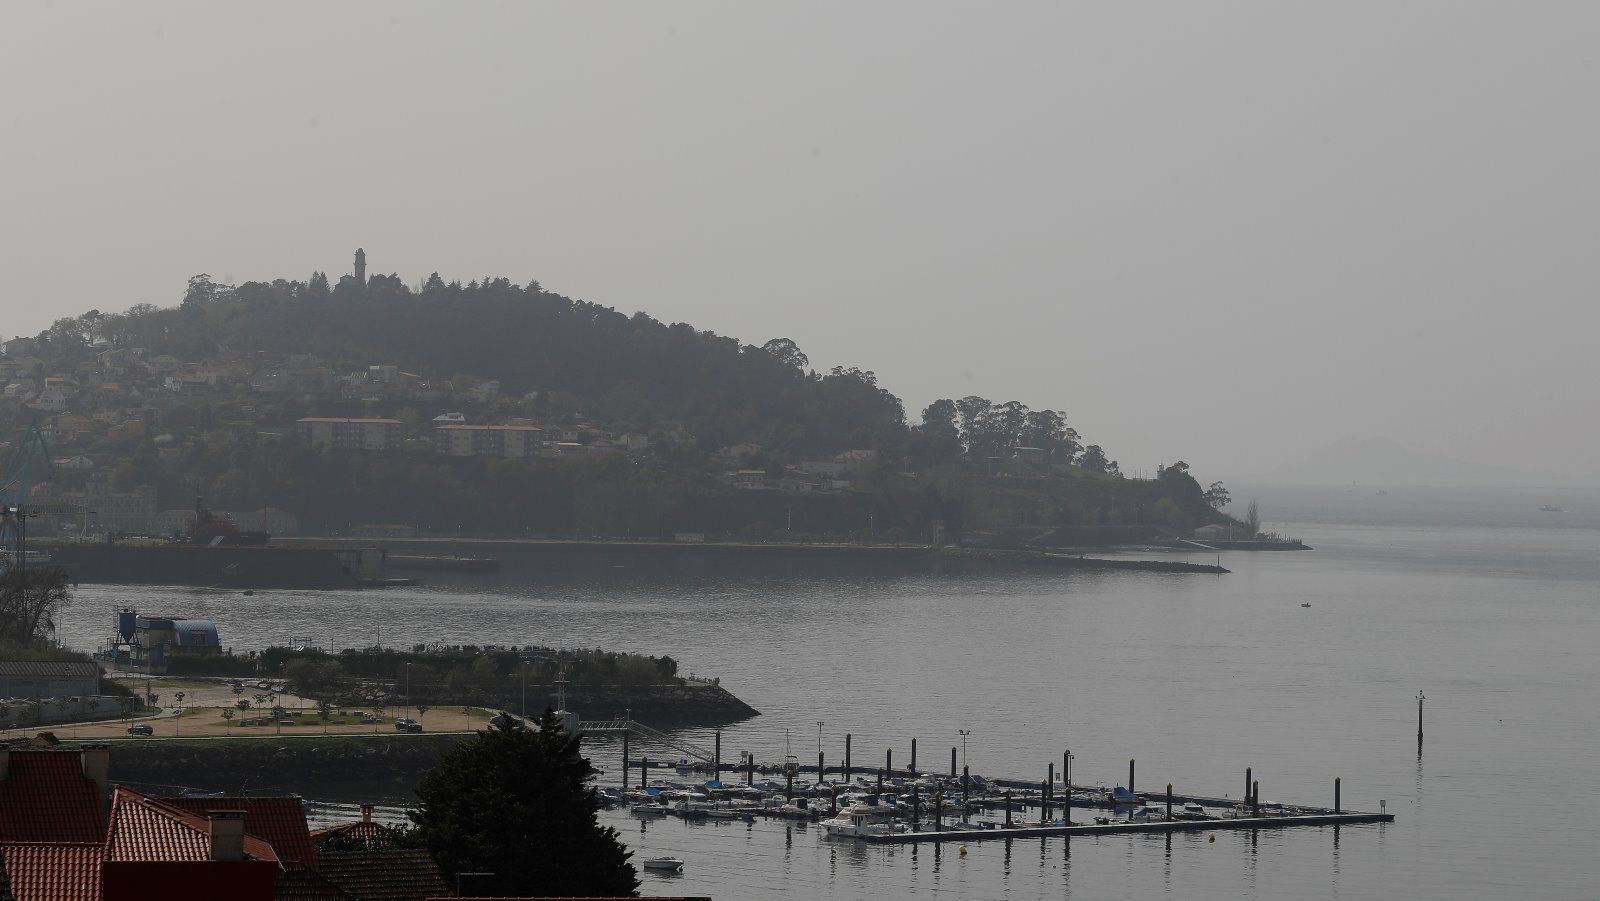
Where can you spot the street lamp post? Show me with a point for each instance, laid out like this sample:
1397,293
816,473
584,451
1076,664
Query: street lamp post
964,734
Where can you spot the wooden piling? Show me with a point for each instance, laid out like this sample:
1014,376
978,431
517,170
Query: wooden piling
1247,785
1336,808
820,768
1255,798
1008,807
847,757
644,772
1044,801
1169,800
952,763
749,768
913,758
1130,777
888,762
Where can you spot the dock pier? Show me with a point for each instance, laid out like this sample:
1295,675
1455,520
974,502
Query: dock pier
1159,826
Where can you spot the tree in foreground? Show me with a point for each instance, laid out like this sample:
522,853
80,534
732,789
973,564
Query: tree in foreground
517,802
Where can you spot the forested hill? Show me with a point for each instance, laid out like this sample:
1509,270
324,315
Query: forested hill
634,370
648,428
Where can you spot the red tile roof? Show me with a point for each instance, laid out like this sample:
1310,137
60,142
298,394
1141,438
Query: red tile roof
46,798
384,875
146,829
52,872
280,822
300,883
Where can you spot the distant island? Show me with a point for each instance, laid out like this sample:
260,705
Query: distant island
365,406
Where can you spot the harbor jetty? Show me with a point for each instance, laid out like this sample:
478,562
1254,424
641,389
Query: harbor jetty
889,805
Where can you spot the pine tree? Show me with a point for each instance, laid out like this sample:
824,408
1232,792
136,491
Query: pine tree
517,802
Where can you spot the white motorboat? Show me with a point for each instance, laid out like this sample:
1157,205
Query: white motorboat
667,864
863,819
648,810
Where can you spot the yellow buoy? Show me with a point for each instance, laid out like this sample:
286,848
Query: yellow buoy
963,850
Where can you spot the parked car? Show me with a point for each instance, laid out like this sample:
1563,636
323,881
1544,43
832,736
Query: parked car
412,726
405,723
500,721
141,729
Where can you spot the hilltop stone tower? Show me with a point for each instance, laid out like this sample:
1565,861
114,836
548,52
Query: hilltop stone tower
361,268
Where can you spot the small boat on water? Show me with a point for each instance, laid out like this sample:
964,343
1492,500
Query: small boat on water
648,810
664,864
1550,508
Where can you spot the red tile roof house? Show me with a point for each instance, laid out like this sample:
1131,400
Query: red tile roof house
59,841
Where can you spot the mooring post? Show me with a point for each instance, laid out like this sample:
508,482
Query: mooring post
1336,808
1247,785
1130,777
1066,787
749,768
1008,807
624,758
819,768
717,763
913,758
1420,699
644,772
788,783
966,791
847,757
1044,802
916,809
888,762
1169,801
952,763
1255,798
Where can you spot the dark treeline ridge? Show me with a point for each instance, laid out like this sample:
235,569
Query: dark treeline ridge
970,462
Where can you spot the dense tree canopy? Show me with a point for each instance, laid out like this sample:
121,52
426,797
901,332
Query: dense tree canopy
516,802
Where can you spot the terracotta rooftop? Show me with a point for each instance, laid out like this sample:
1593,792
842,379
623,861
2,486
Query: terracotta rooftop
384,875
46,798
52,872
280,822
146,829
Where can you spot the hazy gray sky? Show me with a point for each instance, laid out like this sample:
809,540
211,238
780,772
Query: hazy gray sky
1225,232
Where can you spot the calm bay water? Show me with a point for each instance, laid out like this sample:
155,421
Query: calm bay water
1475,598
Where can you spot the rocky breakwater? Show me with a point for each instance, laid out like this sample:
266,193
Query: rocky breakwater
694,703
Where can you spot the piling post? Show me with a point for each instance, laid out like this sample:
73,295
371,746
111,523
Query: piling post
1255,798
1169,801
888,762
1420,699
1008,807
916,809
819,768
644,772
913,758
1336,807
749,768
624,758
1066,787
717,758
1130,777
966,791
1044,802
788,784
1050,773
847,757
1247,784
